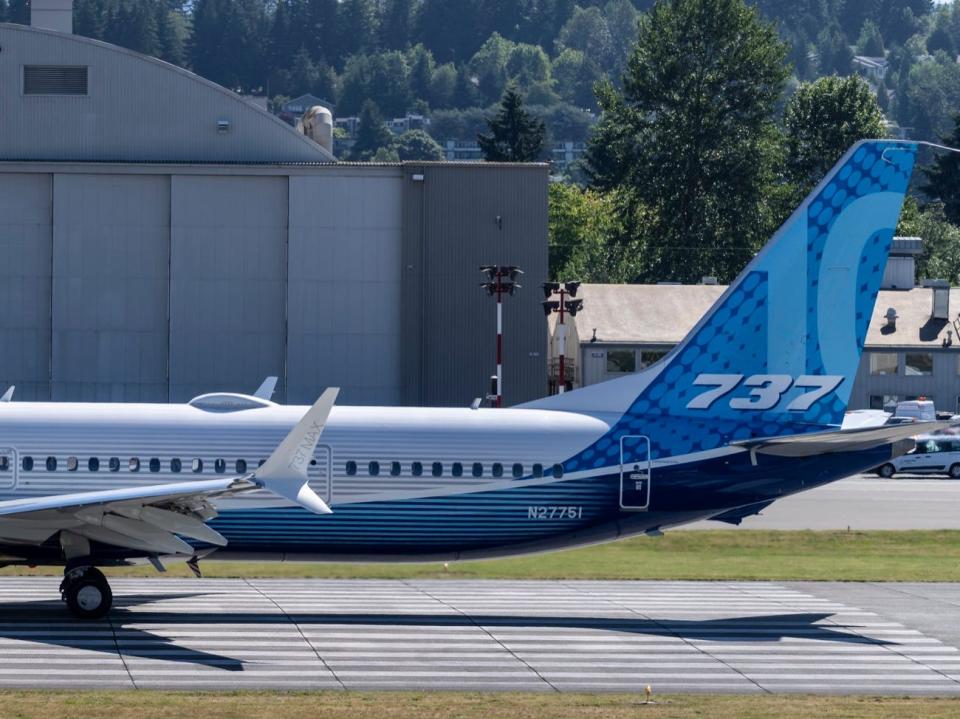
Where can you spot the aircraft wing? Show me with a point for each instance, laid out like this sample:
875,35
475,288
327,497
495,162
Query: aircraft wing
843,440
152,518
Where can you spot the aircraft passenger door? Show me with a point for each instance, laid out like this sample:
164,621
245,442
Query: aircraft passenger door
319,472
8,468
635,472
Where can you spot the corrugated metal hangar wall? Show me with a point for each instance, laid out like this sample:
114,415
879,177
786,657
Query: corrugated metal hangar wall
152,282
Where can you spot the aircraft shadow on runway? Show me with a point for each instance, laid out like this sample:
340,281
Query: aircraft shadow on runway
63,631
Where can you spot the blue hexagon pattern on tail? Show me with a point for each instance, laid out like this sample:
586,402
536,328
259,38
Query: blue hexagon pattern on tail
778,352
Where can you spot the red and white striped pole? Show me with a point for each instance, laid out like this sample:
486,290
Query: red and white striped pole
499,399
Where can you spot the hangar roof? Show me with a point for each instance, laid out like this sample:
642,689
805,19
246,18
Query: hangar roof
129,108
664,314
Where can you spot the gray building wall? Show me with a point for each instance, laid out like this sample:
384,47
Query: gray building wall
137,108
457,218
942,385
149,282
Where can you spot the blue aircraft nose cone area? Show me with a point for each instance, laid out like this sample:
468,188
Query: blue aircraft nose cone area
733,340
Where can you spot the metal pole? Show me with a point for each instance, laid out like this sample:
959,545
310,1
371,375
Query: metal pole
499,339
562,331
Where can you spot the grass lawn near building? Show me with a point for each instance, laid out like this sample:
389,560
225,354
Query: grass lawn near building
908,556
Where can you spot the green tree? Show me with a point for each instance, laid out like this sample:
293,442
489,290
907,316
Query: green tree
587,31
372,135
822,120
930,95
170,34
18,12
943,176
690,142
418,145
514,134
941,240
382,77
575,75
399,18
358,21
870,42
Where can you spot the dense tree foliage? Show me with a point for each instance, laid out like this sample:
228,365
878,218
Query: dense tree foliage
943,176
514,134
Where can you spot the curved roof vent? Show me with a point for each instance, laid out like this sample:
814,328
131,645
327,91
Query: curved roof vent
228,402
891,317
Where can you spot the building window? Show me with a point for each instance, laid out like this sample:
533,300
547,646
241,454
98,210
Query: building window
114,464
456,469
649,357
416,469
240,466
154,464
394,469
176,465
72,464
621,361
93,464
885,402
437,469
477,469
51,464
351,468
27,464
54,80
884,363
918,364
373,469
517,470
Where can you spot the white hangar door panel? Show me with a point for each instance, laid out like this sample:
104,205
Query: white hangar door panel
111,252
25,284
227,284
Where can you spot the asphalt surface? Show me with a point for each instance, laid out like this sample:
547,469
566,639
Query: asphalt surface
862,502
745,637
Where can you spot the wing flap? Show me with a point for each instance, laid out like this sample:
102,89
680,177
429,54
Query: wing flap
844,440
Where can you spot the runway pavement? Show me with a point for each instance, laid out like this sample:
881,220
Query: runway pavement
487,635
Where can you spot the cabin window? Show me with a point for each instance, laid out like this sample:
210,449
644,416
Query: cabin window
176,465
261,462
196,465
416,469
4,463
72,464
621,361
351,468
918,364
558,470
27,464
373,469
538,470
154,464
456,469
497,469
394,469
884,363
437,469
219,466
51,464
477,469
134,464
241,466
517,470
93,464
114,464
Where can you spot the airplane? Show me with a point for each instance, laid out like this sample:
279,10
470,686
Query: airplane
747,409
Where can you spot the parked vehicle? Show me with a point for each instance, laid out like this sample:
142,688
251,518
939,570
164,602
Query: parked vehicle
934,454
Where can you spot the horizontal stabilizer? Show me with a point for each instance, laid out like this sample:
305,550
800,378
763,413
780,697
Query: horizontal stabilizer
844,440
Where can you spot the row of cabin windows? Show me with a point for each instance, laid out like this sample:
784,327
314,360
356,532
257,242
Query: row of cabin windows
134,464
395,469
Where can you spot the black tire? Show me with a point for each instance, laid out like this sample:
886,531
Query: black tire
886,470
954,471
88,596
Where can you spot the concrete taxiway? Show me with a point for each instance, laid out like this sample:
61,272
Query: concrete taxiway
489,635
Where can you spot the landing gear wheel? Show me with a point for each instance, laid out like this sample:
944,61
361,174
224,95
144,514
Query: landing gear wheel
87,593
955,471
886,470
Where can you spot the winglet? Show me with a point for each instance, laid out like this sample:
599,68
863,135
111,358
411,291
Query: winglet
285,472
8,395
266,388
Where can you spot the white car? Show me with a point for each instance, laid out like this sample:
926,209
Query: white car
934,454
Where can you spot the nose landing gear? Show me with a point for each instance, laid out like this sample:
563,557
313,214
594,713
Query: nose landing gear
86,592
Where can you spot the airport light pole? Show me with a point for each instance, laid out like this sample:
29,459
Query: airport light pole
501,280
563,306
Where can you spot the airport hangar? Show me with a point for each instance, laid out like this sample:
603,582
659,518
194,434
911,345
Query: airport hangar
162,238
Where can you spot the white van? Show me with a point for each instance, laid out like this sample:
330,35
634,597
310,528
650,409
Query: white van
934,454
919,410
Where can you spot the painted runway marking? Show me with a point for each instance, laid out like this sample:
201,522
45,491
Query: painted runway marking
744,637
